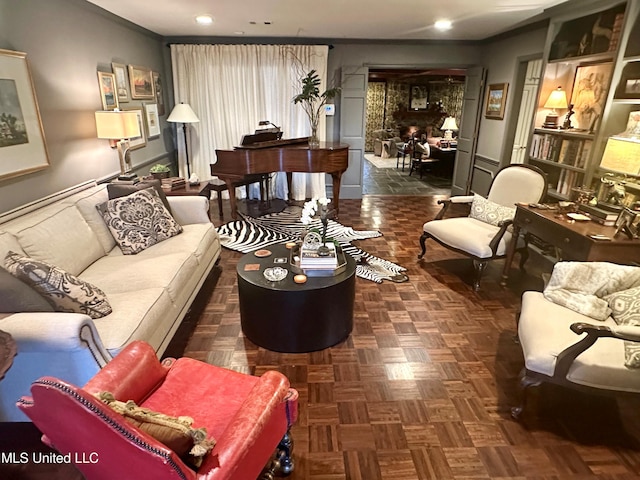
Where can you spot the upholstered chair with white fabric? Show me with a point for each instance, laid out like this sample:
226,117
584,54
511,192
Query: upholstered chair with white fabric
485,234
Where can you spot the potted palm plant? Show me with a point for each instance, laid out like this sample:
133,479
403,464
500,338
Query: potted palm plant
313,102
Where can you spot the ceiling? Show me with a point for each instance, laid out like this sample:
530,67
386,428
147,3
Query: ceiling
330,19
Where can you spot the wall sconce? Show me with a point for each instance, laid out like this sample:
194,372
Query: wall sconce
119,126
557,99
448,126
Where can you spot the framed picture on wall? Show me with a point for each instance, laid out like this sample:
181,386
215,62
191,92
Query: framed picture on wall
159,92
107,82
153,121
141,81
418,97
122,83
22,146
141,141
589,94
496,100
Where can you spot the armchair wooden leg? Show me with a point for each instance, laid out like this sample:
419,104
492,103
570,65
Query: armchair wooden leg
423,239
525,383
479,267
282,464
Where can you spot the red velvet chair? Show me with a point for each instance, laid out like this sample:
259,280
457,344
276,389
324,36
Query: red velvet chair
248,416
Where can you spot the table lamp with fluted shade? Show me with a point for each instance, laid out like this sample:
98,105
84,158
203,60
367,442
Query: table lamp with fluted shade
183,113
449,126
119,126
557,100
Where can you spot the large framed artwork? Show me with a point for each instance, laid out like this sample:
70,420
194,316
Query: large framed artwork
418,97
108,94
589,94
122,87
141,80
141,141
496,100
22,145
159,92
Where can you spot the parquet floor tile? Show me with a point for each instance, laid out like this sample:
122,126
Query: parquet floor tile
422,388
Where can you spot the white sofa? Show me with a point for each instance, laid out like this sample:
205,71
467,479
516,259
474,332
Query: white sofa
149,293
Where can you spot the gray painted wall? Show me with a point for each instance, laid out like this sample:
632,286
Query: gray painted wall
67,42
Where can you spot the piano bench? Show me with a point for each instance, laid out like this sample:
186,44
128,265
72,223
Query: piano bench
220,186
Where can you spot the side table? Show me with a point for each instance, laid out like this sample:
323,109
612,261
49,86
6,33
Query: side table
8,350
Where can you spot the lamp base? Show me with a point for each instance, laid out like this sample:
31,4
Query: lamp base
550,121
129,177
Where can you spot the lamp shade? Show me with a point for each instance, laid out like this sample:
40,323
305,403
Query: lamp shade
116,125
622,155
183,113
557,99
450,124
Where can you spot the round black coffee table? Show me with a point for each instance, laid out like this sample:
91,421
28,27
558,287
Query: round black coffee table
289,317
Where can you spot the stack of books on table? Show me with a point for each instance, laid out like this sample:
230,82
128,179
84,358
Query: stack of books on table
309,259
600,215
173,183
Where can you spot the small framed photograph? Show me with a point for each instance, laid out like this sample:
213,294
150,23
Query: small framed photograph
107,82
496,100
153,121
418,97
625,223
141,141
141,81
159,93
122,82
629,86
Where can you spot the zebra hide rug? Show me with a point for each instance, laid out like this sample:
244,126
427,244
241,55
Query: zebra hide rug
249,234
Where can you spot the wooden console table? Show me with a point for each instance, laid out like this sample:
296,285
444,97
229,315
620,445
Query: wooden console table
571,238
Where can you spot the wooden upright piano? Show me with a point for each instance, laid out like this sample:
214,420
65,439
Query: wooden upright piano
285,155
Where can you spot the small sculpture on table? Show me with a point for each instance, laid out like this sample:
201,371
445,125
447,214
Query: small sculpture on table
567,118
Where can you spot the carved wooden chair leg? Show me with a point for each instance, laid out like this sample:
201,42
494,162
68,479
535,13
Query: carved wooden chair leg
479,267
525,383
423,239
524,253
282,464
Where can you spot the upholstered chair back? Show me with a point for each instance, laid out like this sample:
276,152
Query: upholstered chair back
517,183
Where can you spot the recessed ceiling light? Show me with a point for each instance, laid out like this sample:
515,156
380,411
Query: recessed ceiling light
443,24
204,19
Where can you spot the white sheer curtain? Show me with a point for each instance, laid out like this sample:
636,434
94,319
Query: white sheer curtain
233,87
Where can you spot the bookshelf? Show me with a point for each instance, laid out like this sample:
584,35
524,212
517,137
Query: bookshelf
589,69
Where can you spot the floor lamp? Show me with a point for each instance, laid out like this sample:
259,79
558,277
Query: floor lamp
183,113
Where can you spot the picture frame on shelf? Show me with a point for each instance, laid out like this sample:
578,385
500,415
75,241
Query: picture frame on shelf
152,119
108,95
496,100
418,97
23,149
141,141
589,94
141,82
629,85
122,82
158,92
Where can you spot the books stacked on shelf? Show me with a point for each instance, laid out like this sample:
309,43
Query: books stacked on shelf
544,147
600,215
566,181
173,183
310,259
574,152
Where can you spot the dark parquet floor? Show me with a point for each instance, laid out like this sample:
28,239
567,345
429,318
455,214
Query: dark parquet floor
422,388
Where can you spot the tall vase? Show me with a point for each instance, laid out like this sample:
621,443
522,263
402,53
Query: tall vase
314,141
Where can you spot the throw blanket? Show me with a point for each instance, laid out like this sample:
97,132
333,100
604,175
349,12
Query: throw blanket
249,234
581,286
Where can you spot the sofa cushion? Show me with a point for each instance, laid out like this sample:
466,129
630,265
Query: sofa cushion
117,190
490,212
625,310
87,206
63,239
65,292
17,296
467,234
138,221
9,243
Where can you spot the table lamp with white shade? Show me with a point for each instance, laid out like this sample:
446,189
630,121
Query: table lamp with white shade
557,100
449,126
183,113
119,127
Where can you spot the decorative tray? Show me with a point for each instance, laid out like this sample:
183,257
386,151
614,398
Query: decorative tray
294,263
